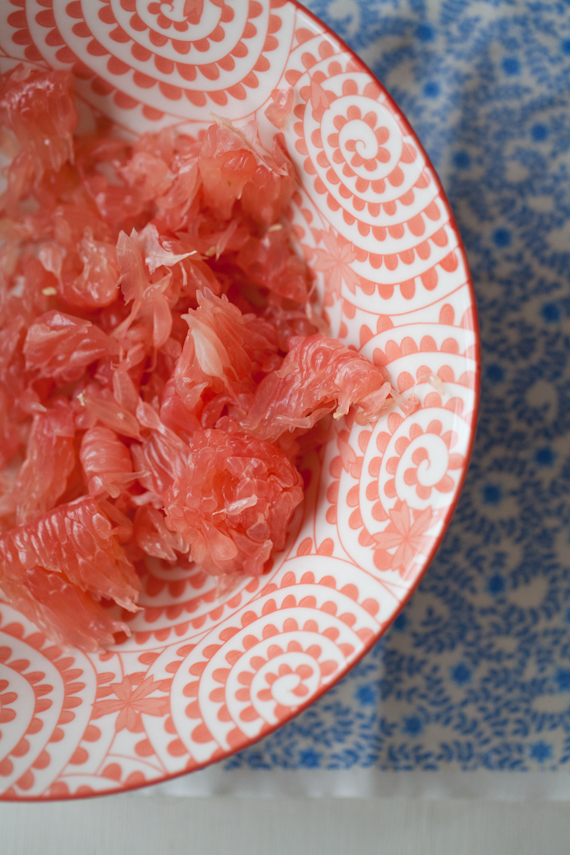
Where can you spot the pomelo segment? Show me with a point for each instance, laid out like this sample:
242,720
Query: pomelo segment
161,455
37,106
77,542
98,283
281,106
291,322
319,375
63,611
226,165
162,354
153,536
50,458
225,355
61,346
9,433
265,198
269,261
233,501
106,462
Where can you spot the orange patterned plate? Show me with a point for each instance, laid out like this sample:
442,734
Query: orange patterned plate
203,676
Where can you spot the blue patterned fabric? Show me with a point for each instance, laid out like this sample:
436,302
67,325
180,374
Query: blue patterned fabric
475,673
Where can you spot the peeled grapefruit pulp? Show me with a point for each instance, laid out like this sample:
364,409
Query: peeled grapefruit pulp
160,356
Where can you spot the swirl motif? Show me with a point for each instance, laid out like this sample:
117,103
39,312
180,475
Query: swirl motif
282,649
417,459
363,144
50,693
281,683
397,479
179,602
184,59
425,461
7,698
371,184
415,352
204,671
192,18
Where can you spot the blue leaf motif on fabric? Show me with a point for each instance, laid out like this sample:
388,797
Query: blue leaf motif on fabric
541,751
511,65
461,674
412,725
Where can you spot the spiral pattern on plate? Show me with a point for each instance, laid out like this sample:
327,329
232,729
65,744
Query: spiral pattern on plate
184,57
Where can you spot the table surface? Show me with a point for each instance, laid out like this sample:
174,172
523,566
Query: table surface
121,825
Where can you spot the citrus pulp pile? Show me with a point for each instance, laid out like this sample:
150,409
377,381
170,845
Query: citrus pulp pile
159,358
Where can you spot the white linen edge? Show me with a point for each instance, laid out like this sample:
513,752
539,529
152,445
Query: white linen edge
368,783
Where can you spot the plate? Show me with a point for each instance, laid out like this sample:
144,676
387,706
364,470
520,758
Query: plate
204,675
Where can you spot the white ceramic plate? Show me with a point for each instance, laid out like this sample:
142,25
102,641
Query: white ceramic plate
201,676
